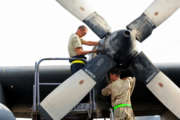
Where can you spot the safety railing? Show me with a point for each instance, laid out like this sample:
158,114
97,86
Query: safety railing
111,114
36,89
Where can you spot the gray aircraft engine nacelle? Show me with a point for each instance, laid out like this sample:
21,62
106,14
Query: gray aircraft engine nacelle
5,113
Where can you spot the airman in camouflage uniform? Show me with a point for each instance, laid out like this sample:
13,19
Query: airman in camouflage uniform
120,91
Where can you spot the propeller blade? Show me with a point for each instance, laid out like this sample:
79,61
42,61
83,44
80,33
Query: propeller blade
68,94
80,9
157,82
153,16
65,97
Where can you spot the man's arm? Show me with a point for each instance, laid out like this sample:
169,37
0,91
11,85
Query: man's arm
132,83
80,51
90,43
106,91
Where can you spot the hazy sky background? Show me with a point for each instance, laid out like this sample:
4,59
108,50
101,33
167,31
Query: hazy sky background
34,29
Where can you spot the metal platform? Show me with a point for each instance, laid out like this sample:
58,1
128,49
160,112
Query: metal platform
80,108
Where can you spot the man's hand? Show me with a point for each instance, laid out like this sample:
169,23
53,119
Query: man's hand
80,51
96,51
93,51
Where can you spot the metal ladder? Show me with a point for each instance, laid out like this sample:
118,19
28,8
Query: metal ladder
111,114
88,107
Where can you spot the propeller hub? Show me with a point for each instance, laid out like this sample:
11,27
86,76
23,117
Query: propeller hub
120,46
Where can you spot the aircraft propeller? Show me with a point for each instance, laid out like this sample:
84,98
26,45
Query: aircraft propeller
118,49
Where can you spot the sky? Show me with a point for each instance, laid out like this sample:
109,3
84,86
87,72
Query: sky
35,29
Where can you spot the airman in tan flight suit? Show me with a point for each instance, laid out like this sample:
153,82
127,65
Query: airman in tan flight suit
120,91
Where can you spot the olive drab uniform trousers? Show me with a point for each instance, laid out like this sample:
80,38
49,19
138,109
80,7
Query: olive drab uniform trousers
120,91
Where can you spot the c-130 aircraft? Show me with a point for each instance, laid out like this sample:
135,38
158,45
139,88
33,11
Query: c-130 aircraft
112,44
17,95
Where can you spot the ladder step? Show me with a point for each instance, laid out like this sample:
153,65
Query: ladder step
82,107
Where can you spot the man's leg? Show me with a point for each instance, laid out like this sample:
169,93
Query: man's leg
130,114
120,114
75,67
124,114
